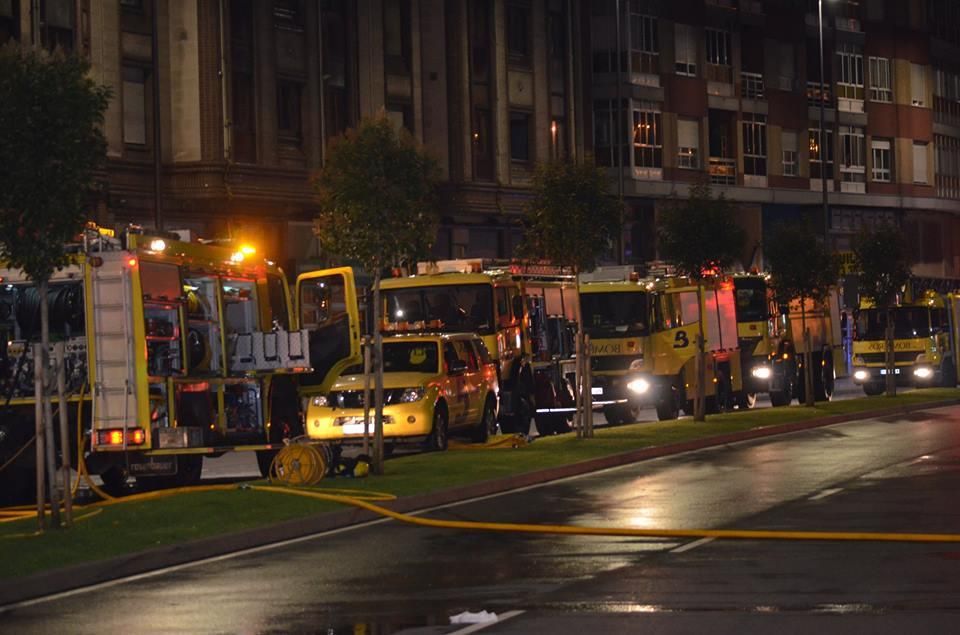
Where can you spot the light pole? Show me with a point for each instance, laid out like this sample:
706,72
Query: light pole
823,134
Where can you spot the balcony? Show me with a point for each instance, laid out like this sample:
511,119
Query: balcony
723,171
751,85
814,95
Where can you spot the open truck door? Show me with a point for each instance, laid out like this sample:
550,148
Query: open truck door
328,310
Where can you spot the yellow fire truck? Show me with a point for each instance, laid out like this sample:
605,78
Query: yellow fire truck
772,345
521,310
643,344
174,351
925,335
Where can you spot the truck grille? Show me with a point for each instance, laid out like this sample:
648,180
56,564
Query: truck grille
898,357
612,362
354,398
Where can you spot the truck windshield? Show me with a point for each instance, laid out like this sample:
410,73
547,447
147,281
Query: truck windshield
907,322
615,314
751,299
445,308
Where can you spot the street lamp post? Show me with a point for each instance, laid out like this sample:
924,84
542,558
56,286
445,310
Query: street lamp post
823,133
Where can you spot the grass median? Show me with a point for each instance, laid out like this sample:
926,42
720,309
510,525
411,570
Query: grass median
130,527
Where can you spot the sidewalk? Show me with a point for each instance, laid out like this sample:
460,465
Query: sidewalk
60,580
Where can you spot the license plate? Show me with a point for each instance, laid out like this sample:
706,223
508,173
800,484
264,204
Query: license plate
356,428
596,391
883,371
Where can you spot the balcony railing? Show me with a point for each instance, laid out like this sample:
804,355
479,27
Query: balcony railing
723,171
814,96
751,85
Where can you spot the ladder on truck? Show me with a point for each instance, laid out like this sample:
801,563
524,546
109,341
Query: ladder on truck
114,389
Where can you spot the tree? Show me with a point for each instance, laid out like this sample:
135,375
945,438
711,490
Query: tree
571,221
378,208
699,236
801,268
51,145
882,257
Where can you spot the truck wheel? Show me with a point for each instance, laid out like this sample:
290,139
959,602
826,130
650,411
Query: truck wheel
783,397
115,480
668,407
746,400
437,439
873,388
612,414
488,423
948,374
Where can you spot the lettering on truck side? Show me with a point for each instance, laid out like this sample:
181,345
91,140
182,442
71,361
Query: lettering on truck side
908,345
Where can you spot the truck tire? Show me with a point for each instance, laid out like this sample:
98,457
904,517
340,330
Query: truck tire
873,388
746,400
668,407
948,374
783,397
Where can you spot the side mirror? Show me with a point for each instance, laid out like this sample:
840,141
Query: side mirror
457,367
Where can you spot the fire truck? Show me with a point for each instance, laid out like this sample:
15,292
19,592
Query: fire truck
523,311
772,345
644,344
175,351
925,335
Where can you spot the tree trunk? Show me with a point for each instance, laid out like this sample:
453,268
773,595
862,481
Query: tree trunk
41,367
39,445
367,362
587,389
583,400
807,355
890,359
699,404
377,378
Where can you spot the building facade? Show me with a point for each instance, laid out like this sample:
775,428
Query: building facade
223,109
730,91
230,104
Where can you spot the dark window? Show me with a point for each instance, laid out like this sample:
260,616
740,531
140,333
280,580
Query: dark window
243,115
396,36
57,24
9,21
288,15
520,137
336,62
480,39
518,33
401,115
289,107
134,95
482,140
614,314
279,316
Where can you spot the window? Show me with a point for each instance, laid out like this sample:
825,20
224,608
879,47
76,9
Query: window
558,140
850,82
607,133
518,33
918,84
644,44
396,36
686,50
880,84
335,59
57,24
9,21
946,165
754,144
400,115
647,137
946,97
718,56
134,92
817,171
880,149
482,145
289,108
920,162
688,144
788,143
852,159
520,137
242,95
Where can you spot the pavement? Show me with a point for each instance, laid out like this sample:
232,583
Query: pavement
86,574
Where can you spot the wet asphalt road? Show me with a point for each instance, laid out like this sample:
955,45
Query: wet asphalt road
891,474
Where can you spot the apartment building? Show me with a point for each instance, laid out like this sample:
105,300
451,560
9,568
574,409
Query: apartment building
229,105
730,91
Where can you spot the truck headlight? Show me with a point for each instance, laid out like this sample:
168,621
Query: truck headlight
319,401
923,372
639,385
410,395
761,372
861,375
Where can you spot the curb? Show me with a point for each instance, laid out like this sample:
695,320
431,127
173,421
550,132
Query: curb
86,574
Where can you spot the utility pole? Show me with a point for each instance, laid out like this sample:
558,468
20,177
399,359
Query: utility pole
155,54
621,133
823,135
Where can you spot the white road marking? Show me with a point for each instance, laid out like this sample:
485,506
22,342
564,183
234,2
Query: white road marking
827,492
473,628
691,545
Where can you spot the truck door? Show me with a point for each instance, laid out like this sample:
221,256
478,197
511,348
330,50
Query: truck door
328,309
